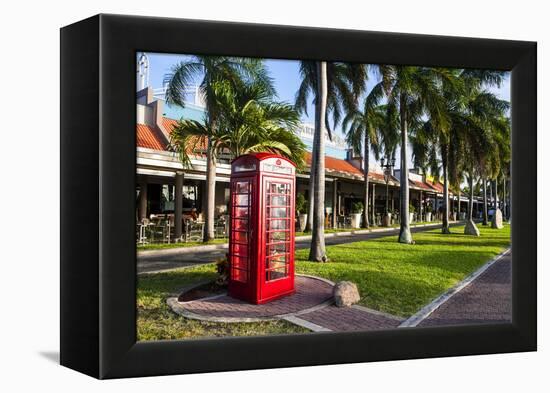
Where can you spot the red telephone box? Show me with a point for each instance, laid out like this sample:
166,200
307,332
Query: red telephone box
261,242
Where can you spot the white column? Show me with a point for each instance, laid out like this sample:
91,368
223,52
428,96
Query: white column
177,206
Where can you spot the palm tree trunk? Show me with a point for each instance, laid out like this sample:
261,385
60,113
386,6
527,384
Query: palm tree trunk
444,158
458,203
366,200
311,203
504,199
496,194
405,231
317,250
510,203
210,192
485,215
471,199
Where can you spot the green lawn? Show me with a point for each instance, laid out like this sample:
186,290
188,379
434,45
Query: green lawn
391,277
399,278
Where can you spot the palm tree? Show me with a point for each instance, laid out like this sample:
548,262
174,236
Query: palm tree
487,110
210,70
413,91
363,128
248,120
334,86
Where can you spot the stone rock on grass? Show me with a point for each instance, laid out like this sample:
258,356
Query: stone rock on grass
471,228
496,222
346,294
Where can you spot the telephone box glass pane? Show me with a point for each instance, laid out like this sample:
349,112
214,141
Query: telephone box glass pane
240,249
240,263
241,200
278,236
278,224
242,187
240,275
278,212
241,237
240,224
279,200
241,212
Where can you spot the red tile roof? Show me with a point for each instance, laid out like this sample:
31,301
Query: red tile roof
421,185
437,186
378,177
338,165
196,146
148,137
343,166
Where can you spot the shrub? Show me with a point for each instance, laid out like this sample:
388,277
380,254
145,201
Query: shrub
357,207
301,203
222,267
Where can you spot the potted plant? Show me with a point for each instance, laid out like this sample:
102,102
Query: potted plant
412,210
356,210
429,210
387,219
301,209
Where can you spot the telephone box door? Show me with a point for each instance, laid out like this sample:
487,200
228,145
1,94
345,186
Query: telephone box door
242,226
277,268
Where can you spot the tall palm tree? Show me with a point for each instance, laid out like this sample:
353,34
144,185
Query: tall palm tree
487,109
363,128
334,87
414,92
209,70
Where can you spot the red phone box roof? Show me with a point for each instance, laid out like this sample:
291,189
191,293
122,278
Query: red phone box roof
263,162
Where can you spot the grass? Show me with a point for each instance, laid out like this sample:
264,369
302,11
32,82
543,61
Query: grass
391,277
163,246
399,278
156,321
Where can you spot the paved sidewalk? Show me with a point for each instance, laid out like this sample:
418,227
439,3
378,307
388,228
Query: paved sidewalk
158,261
488,299
346,319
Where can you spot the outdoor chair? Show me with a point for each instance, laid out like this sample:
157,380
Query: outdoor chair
194,231
220,229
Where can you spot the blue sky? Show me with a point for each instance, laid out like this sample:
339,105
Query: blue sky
286,75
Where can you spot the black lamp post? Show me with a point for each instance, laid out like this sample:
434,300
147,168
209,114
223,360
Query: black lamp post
387,166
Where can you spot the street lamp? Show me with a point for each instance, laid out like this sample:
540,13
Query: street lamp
387,166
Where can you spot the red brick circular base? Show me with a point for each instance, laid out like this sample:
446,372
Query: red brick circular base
312,293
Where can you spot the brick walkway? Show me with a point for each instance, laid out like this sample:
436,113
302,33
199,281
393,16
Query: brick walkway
346,319
488,299
310,292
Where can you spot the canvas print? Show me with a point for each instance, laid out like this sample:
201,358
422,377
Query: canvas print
282,196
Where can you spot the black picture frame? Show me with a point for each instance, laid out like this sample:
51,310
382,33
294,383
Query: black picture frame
98,158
